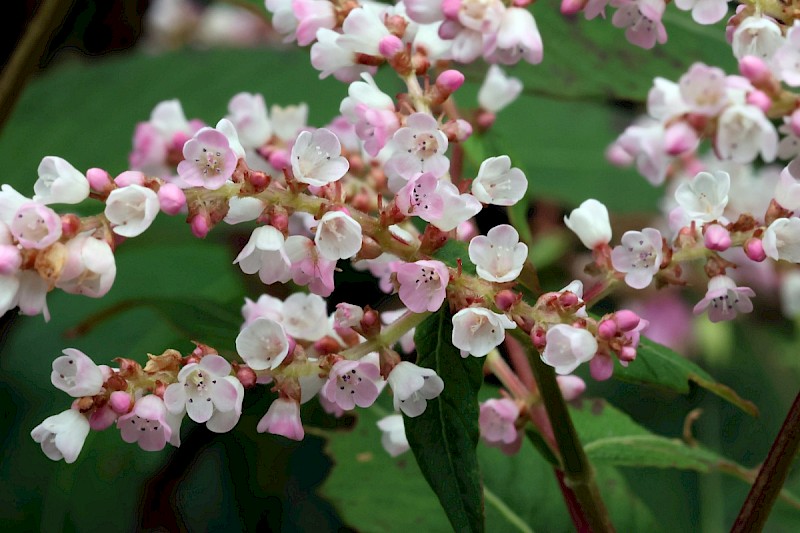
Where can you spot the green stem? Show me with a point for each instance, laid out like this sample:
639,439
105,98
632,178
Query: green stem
388,337
756,508
512,517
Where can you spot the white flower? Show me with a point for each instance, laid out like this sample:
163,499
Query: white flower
60,183
498,90
498,256
288,121
131,209
590,223
243,209
456,207
743,131
704,198
316,158
338,236
413,386
62,436
499,184
781,240
90,268
704,11
639,256
567,347
248,113
418,147
229,130
262,344
205,390
477,330
362,30
264,254
76,374
305,316
757,36
704,89
393,438
364,93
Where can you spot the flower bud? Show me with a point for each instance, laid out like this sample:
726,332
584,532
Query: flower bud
717,238
680,138
200,226
754,69
171,198
607,329
120,402
626,320
572,7
129,177
246,376
760,100
538,338
506,299
450,80
10,259
99,179
754,249
390,46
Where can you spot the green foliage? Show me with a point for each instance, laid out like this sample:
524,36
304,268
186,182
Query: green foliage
444,437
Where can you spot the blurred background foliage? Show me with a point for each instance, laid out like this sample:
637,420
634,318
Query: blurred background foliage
83,107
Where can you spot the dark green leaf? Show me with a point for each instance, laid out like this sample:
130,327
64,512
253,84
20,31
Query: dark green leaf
444,437
452,252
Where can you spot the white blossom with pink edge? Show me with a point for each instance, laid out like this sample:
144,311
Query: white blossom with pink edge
311,16
498,256
704,197
639,256
757,36
423,284
419,147
645,143
567,347
641,20
209,159
393,435
263,344
516,38
283,418
781,240
90,268
498,183
724,299
704,89
76,374
329,57
60,183
496,421
477,330
305,316
35,226
743,132
316,158
362,30
457,208
264,253
704,11
266,306
62,435
338,236
150,425
308,266
132,209
413,386
353,383
498,90
204,390
590,223
248,114
419,197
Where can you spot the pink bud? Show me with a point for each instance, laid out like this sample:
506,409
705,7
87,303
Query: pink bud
754,69
70,225
618,156
390,46
120,402
10,259
680,138
450,80
607,329
627,354
279,159
567,299
505,299
180,138
626,320
102,418
571,7
129,177
794,122
760,100
717,238
755,250
99,179
539,338
171,198
246,376
571,387
485,119
450,8
200,226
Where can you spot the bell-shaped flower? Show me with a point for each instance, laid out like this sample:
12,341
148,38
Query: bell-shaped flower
645,143
150,425
419,147
338,236
90,268
477,330
203,389
393,435
639,256
352,383
590,223
496,421
781,240
317,159
282,418
567,347
311,16
664,100
31,296
516,38
499,184
362,30
243,209
305,316
457,207
787,57
365,93
132,209
224,421
248,114
641,20
757,36
59,183
704,88
35,226
308,266
62,435
498,90
419,197
329,57
704,198
498,256
209,160
76,374
743,132
787,190
423,284
724,299
264,253
790,293
413,386
266,306
704,11
262,344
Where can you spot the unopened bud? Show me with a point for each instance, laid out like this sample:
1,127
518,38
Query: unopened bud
754,249
450,8
568,299
171,198
200,226
539,338
506,299
120,402
450,80
572,7
571,387
627,354
10,259
70,225
754,69
129,177
760,100
390,46
246,376
717,238
327,345
607,329
618,156
370,323
101,419
680,138
627,320
99,179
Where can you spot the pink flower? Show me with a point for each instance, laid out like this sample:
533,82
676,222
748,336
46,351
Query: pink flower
419,197
308,266
724,299
419,147
496,421
35,226
422,284
311,16
283,418
642,20
76,374
517,38
266,306
148,425
204,389
90,268
639,256
352,383
209,160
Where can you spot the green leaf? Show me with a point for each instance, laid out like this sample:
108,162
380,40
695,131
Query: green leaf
452,252
658,365
444,437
